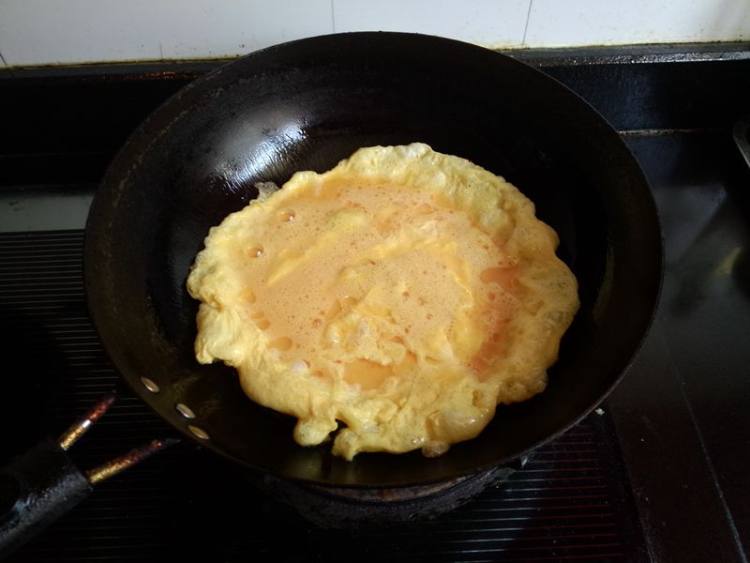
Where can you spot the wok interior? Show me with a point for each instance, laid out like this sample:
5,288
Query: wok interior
305,106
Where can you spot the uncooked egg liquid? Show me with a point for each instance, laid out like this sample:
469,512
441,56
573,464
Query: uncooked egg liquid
377,280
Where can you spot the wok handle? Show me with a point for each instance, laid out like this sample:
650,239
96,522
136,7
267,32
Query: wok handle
37,488
41,485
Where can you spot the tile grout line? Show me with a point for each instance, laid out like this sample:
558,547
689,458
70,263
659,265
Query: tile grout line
526,25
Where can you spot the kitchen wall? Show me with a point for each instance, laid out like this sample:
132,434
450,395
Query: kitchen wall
34,32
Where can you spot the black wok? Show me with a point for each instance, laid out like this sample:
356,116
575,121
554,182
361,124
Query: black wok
306,105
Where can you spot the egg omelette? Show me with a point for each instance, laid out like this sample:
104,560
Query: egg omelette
392,302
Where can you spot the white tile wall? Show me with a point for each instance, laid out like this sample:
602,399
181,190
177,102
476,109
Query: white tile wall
66,31
554,23
70,31
489,22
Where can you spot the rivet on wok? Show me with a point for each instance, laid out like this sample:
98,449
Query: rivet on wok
150,384
198,432
184,410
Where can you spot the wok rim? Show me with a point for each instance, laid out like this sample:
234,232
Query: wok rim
95,233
